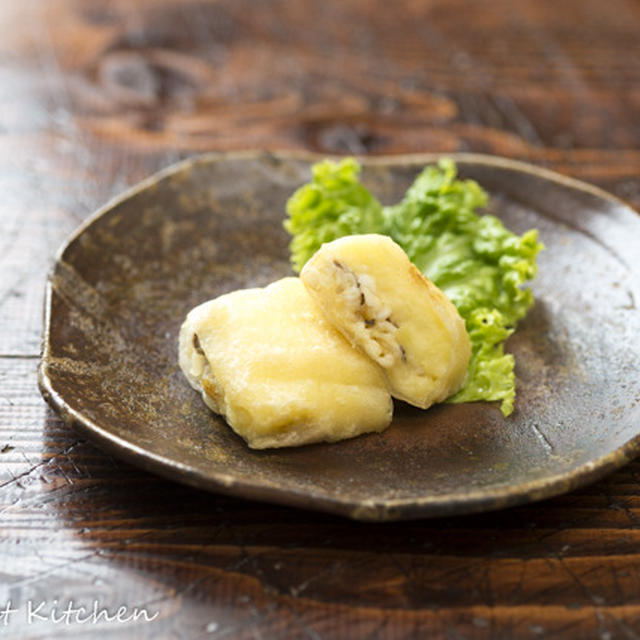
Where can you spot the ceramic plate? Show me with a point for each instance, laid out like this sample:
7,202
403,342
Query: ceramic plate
122,285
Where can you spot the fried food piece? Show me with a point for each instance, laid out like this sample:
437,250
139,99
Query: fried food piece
280,374
368,289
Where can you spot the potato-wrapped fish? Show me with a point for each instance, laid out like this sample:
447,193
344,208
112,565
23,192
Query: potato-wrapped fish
281,375
369,290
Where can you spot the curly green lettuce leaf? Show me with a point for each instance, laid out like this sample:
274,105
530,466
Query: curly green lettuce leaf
490,376
478,263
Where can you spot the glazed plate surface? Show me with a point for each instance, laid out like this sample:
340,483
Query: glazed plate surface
123,283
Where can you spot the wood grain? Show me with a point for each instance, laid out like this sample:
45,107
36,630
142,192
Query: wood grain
97,95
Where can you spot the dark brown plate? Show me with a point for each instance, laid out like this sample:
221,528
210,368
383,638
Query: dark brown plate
123,284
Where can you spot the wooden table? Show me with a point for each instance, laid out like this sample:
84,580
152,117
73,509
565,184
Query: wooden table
98,94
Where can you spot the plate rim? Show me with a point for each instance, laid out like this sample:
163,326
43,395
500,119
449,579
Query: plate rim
502,496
